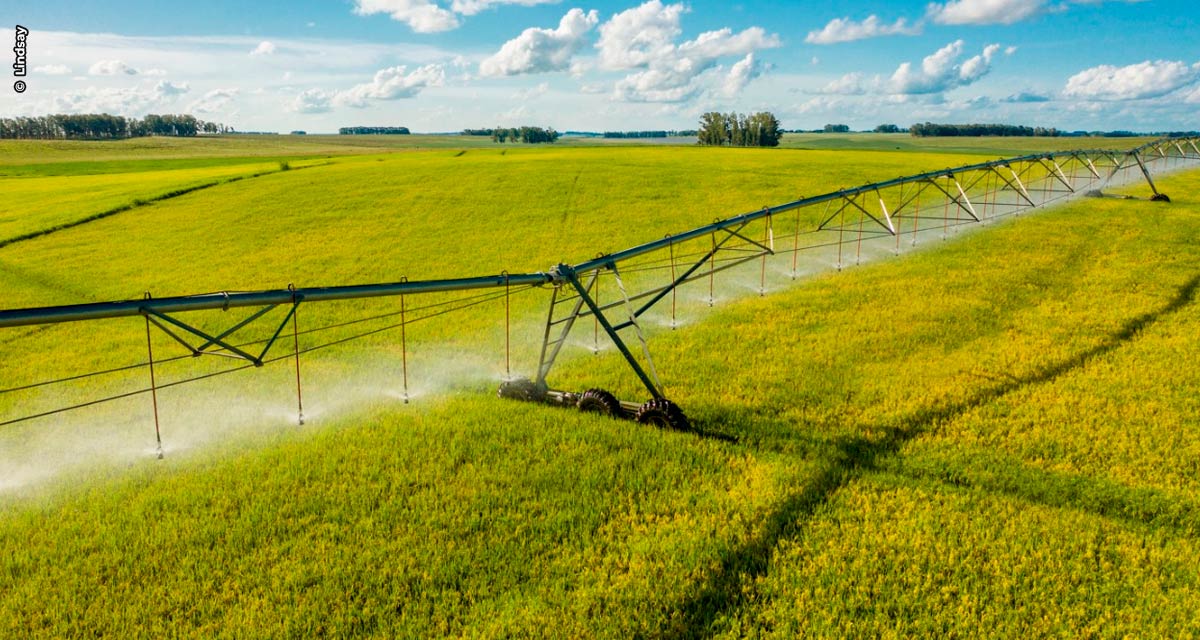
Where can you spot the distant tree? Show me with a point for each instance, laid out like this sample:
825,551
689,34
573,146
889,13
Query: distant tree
836,128
756,130
362,131
887,128
528,135
100,126
978,130
714,129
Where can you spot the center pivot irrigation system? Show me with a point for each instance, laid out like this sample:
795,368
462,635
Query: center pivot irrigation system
825,231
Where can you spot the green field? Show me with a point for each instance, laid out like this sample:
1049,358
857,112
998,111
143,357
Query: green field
991,435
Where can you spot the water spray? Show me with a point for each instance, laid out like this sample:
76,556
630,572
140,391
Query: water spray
575,287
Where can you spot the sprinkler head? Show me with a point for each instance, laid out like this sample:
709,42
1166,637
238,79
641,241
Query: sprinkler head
405,397
160,453
300,419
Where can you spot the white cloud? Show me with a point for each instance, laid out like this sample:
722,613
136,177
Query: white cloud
392,84
643,39
125,101
264,48
740,75
421,16
1133,82
111,68
53,69
542,50
311,101
1026,97
154,72
978,12
169,89
985,11
535,92
850,84
941,71
635,37
214,101
472,7
847,30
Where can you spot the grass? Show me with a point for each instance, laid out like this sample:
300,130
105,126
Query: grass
993,433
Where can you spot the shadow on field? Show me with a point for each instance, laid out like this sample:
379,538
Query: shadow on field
726,588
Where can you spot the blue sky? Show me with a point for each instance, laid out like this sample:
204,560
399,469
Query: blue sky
443,65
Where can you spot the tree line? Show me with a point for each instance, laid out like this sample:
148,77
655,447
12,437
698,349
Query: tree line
978,130
737,130
648,134
367,131
102,126
529,135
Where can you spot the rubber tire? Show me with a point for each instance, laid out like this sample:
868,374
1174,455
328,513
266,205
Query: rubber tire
520,389
601,402
663,414
1159,197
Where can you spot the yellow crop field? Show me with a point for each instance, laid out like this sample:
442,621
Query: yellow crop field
996,431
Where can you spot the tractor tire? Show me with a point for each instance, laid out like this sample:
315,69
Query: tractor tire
520,389
1159,197
664,414
601,402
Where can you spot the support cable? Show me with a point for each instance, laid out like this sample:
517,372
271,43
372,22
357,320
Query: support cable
153,385
296,355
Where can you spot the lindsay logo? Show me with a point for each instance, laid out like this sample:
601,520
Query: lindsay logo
20,64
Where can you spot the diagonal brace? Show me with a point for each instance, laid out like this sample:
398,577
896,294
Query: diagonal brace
569,276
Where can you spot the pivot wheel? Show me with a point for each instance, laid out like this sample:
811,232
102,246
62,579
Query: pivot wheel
663,414
1159,197
601,402
520,389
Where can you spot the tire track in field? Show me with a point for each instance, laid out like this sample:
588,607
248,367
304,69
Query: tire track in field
726,589
142,202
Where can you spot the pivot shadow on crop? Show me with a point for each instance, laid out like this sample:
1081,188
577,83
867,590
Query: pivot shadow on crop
848,458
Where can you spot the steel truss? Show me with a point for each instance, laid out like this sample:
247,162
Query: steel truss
874,216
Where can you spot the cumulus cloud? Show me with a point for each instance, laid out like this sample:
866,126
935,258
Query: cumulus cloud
264,48
1133,82
215,101
126,101
542,50
977,12
53,69
642,39
472,7
637,36
985,11
111,68
169,89
941,71
311,101
851,84
847,30
740,75
421,16
1026,97
392,83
